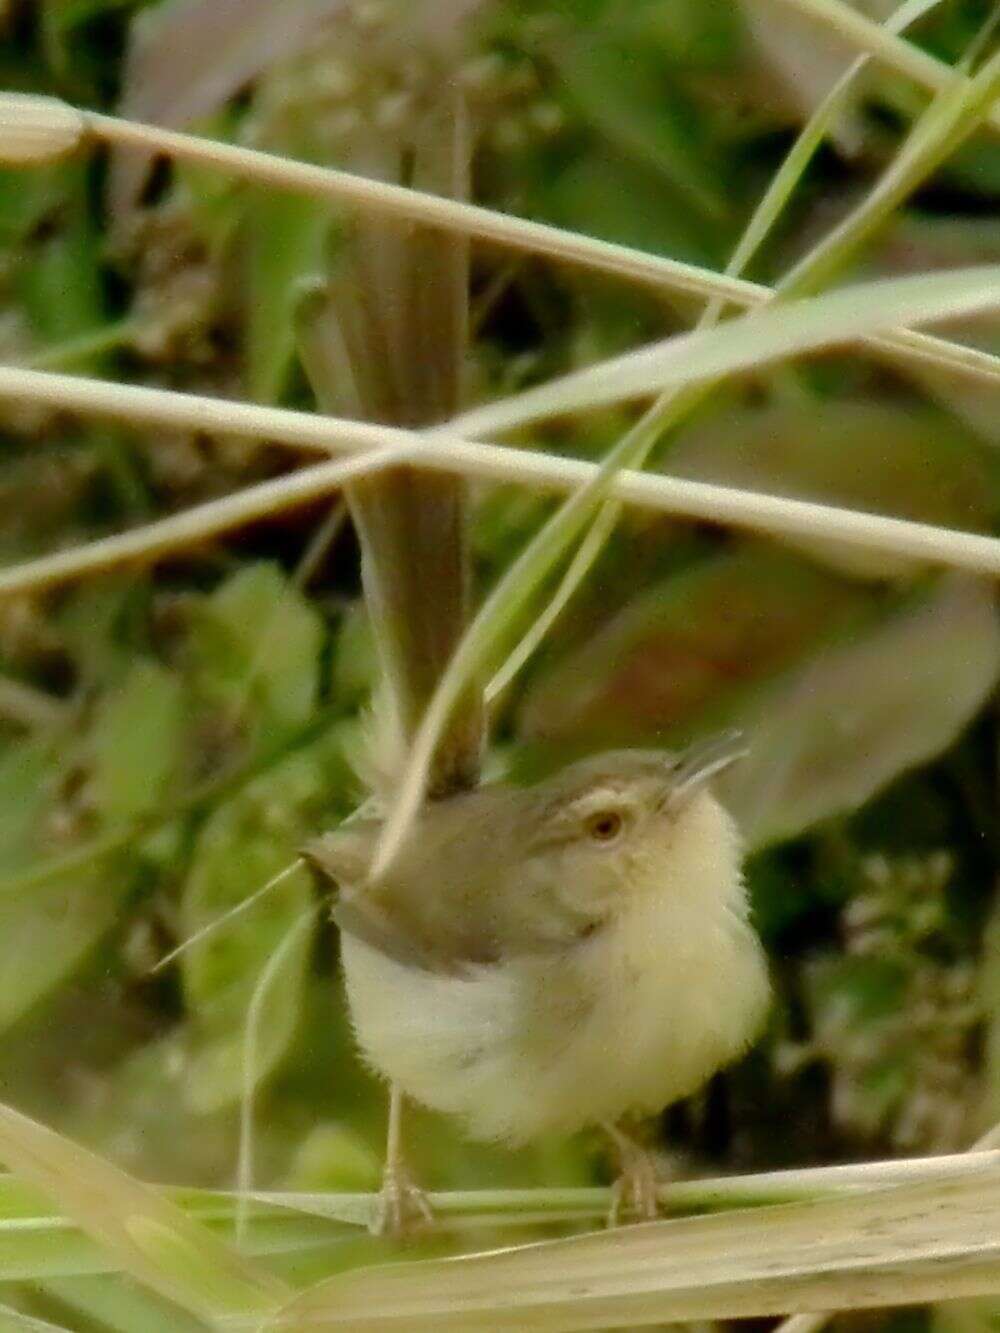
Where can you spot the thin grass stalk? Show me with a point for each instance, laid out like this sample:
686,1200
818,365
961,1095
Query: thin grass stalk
489,225
701,354
265,983
701,501
803,150
26,1214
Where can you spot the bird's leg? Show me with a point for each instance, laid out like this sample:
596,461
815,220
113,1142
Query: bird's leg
634,1193
402,1205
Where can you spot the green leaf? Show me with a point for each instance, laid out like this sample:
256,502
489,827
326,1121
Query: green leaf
335,1157
686,32
603,194
627,93
975,166
136,741
59,281
77,64
97,623
215,201
285,236
27,196
256,648
45,934
965,1317
855,991
826,738
356,661
28,772
117,1304
244,845
686,649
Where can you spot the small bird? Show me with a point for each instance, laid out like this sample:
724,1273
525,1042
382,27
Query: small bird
541,959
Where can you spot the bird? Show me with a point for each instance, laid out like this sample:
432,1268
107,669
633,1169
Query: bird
541,959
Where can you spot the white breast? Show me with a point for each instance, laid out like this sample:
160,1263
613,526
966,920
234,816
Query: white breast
631,1020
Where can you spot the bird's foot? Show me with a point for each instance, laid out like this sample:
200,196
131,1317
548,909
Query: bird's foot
402,1207
635,1193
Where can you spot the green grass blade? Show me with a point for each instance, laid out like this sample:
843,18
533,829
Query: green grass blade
115,1304
756,232
152,1239
704,355
747,343
13,1321
802,151
884,45
953,115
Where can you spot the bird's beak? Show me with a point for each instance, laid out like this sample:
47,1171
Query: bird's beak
700,762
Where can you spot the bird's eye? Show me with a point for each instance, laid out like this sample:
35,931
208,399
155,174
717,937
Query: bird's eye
605,826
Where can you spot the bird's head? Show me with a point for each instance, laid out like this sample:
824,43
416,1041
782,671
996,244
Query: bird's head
629,820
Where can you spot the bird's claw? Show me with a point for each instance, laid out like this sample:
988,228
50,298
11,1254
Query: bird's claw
402,1206
634,1195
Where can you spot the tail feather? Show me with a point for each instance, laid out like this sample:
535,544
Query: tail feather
386,339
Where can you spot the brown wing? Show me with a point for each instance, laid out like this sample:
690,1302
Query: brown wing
467,887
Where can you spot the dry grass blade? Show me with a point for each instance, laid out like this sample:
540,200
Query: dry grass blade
38,1242
513,1207
812,1323
750,341
833,319
153,1239
774,514
416,206
484,224
180,531
888,1247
